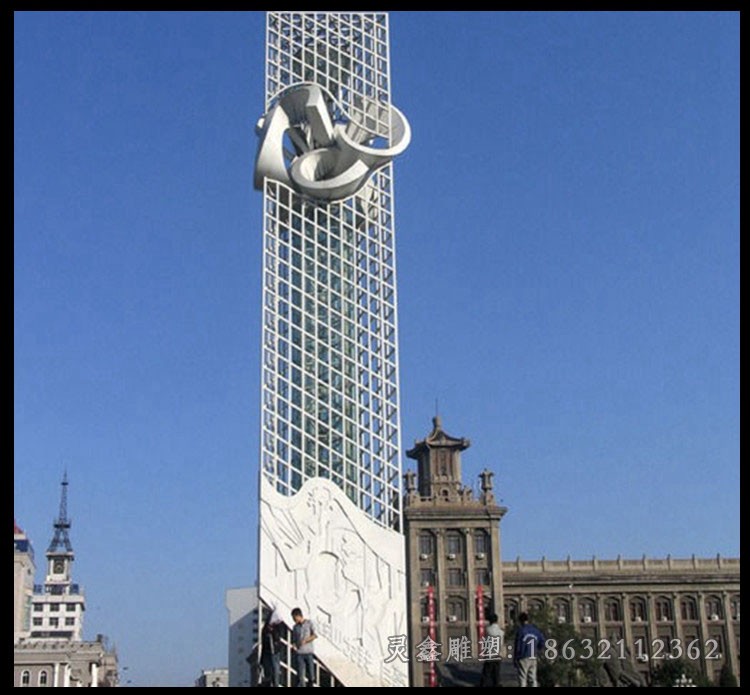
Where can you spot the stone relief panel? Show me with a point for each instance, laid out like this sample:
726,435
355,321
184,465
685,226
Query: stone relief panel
320,552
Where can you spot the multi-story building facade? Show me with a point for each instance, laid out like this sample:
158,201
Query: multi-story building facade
330,474
51,651
23,583
56,663
645,608
453,549
244,620
213,678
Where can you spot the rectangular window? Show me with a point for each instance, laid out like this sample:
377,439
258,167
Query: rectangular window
663,609
54,607
70,607
426,577
70,621
425,543
483,577
453,543
456,609
637,610
37,621
54,622
455,577
481,544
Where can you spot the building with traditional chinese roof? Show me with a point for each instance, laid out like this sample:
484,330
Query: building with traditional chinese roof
643,608
454,573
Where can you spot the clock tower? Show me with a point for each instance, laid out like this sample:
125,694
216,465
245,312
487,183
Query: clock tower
60,552
58,605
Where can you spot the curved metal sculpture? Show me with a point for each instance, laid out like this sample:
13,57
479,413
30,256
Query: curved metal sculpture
326,160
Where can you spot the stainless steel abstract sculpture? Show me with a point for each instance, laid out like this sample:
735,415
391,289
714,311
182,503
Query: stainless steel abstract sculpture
327,160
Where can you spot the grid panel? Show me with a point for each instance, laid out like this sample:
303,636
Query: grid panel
330,399
344,52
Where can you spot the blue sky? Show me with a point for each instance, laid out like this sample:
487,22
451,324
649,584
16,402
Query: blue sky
568,255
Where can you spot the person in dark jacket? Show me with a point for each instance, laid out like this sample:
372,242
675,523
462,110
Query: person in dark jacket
270,658
528,646
494,640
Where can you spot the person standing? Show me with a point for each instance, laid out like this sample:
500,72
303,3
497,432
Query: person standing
491,667
528,645
271,650
303,634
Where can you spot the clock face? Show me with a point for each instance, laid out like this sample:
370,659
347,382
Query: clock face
58,567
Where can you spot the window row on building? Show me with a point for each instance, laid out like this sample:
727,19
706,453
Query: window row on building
454,543
665,608
42,679
52,622
55,607
455,576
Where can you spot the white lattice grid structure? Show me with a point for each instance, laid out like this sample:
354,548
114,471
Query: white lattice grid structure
344,52
330,395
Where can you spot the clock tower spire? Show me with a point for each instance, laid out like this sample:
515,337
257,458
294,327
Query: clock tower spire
59,603
62,524
60,552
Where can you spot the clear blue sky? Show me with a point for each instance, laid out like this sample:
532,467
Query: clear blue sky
568,257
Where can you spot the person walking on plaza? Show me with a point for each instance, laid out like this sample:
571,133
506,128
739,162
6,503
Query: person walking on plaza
491,667
528,645
303,634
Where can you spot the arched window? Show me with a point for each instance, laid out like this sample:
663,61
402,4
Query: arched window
713,608
456,609
688,608
453,543
587,610
424,610
25,679
536,606
735,605
562,610
612,610
481,542
637,609
426,543
510,608
663,609
42,679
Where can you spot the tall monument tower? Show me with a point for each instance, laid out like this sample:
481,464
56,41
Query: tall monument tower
330,471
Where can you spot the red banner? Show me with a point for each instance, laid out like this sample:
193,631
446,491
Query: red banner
431,614
480,613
